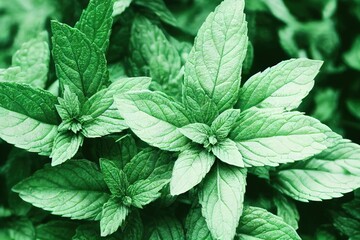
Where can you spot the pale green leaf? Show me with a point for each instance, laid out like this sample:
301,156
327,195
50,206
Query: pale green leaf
196,226
327,175
261,224
114,177
189,169
96,21
221,198
69,105
79,63
228,152
196,132
223,123
160,9
213,68
66,145
75,189
112,217
120,6
286,209
56,230
272,137
155,118
144,191
282,86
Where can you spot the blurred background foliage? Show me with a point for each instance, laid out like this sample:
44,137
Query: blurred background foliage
327,30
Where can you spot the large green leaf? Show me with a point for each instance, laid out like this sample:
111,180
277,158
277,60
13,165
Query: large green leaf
56,230
112,217
155,118
222,197
165,227
281,86
66,145
79,63
266,137
75,189
159,8
330,174
213,68
196,226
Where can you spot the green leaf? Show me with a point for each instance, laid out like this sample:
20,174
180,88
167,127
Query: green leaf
222,197
120,6
196,226
151,164
112,217
21,229
196,132
114,177
74,189
96,21
165,227
155,118
266,137
354,107
223,124
28,117
213,73
348,226
151,52
327,175
160,9
144,191
286,209
190,168
353,208
73,53
69,105
55,230
30,64
92,232
352,57
282,86
228,152
261,224
66,145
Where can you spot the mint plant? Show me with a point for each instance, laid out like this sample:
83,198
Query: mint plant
151,135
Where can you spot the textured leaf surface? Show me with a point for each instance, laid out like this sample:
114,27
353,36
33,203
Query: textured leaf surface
228,152
197,132
142,192
74,189
330,174
21,228
160,9
189,169
223,124
196,226
96,21
79,63
213,69
269,138
222,197
155,118
120,6
56,230
112,217
66,145
114,177
165,227
286,209
261,224
281,86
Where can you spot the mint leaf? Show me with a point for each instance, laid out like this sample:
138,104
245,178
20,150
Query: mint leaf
92,232
30,64
160,9
348,226
286,209
228,152
223,124
96,21
66,145
259,134
74,189
144,191
196,226
190,168
112,216
196,132
28,117
69,105
221,198
155,118
151,52
281,86
261,224
327,175
56,230
120,6
21,228
354,107
73,53
114,177
352,57
165,227
150,164
212,73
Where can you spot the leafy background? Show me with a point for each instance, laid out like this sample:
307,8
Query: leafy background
278,30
